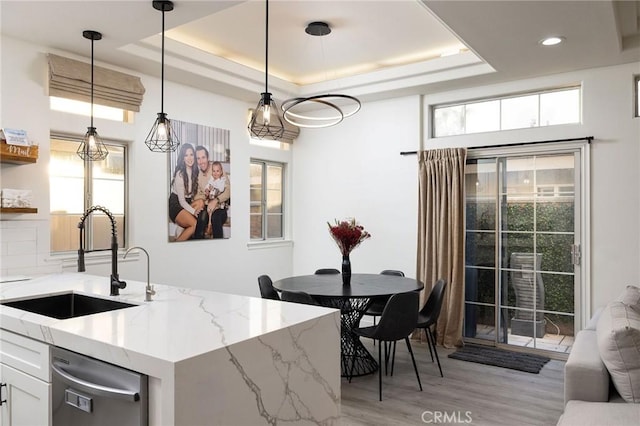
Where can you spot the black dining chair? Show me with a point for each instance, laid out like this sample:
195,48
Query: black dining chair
297,297
429,314
427,317
378,303
397,321
326,271
266,288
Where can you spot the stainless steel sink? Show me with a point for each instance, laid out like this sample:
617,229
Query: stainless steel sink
68,305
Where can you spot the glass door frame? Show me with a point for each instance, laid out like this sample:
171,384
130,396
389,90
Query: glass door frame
581,151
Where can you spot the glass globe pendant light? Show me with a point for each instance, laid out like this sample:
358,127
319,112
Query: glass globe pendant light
92,148
161,137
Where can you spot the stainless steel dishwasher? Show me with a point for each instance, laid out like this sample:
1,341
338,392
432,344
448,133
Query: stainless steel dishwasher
89,392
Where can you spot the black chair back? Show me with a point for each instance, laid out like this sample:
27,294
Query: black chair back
392,272
398,318
378,303
266,288
431,310
327,271
297,297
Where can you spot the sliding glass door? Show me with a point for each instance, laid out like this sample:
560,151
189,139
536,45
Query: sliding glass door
523,239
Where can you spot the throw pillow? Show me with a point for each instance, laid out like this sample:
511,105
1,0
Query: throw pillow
631,297
618,334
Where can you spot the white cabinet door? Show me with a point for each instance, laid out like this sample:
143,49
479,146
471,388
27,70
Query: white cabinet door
27,399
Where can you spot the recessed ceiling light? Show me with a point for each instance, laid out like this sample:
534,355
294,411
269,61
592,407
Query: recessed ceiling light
552,41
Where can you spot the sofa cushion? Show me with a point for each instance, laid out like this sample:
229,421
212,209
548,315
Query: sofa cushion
618,334
585,376
580,413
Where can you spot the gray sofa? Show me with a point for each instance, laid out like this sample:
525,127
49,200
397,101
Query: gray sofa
602,373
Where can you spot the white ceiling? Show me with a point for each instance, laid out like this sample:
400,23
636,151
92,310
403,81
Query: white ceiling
376,49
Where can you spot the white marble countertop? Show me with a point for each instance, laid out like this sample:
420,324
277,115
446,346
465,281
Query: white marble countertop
179,324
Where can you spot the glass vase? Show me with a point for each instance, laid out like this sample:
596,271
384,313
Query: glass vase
346,270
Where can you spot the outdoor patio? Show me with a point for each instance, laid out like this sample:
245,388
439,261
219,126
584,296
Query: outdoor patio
551,342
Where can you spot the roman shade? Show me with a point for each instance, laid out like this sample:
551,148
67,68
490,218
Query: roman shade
71,79
291,132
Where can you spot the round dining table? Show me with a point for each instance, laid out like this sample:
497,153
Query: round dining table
352,300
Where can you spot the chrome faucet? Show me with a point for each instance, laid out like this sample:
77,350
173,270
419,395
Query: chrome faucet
116,283
149,291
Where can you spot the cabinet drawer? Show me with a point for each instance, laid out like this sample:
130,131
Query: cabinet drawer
24,354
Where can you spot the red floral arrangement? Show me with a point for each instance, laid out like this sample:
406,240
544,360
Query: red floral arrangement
348,234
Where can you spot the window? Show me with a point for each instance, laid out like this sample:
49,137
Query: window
539,109
267,143
75,186
266,199
84,108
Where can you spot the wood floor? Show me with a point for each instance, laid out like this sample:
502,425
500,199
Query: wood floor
469,393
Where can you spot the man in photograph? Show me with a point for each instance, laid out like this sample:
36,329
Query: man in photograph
212,196
204,174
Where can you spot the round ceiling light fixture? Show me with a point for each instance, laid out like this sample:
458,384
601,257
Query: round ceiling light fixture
318,29
319,110
552,41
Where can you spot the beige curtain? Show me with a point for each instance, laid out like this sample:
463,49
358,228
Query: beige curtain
71,79
441,235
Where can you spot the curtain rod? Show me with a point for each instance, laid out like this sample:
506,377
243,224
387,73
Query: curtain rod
586,138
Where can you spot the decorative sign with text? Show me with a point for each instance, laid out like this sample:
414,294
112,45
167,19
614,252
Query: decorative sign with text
14,137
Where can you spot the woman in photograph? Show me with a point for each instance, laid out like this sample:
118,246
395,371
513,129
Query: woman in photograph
183,187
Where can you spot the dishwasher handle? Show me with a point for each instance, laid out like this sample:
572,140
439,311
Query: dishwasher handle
94,388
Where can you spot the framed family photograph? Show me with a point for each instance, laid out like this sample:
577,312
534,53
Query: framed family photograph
199,183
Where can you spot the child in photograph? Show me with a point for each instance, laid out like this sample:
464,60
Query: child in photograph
218,194
216,186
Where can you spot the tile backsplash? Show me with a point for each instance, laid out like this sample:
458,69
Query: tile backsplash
24,248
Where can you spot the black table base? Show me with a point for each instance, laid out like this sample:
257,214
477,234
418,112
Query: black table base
352,350
352,301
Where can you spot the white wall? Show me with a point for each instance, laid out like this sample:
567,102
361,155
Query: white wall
355,169
24,239
615,180
221,265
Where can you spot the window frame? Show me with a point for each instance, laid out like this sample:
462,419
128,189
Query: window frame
465,103
88,196
263,201
583,312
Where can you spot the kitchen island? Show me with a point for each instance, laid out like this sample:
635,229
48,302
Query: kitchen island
212,358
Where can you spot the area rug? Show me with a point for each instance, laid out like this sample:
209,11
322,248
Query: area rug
500,358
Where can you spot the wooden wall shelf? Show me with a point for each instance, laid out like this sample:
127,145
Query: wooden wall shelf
18,210
17,154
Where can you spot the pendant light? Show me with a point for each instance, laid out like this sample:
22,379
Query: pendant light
161,137
266,120
320,110
92,148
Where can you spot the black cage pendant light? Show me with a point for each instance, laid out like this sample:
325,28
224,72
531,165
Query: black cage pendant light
92,148
266,121
161,137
